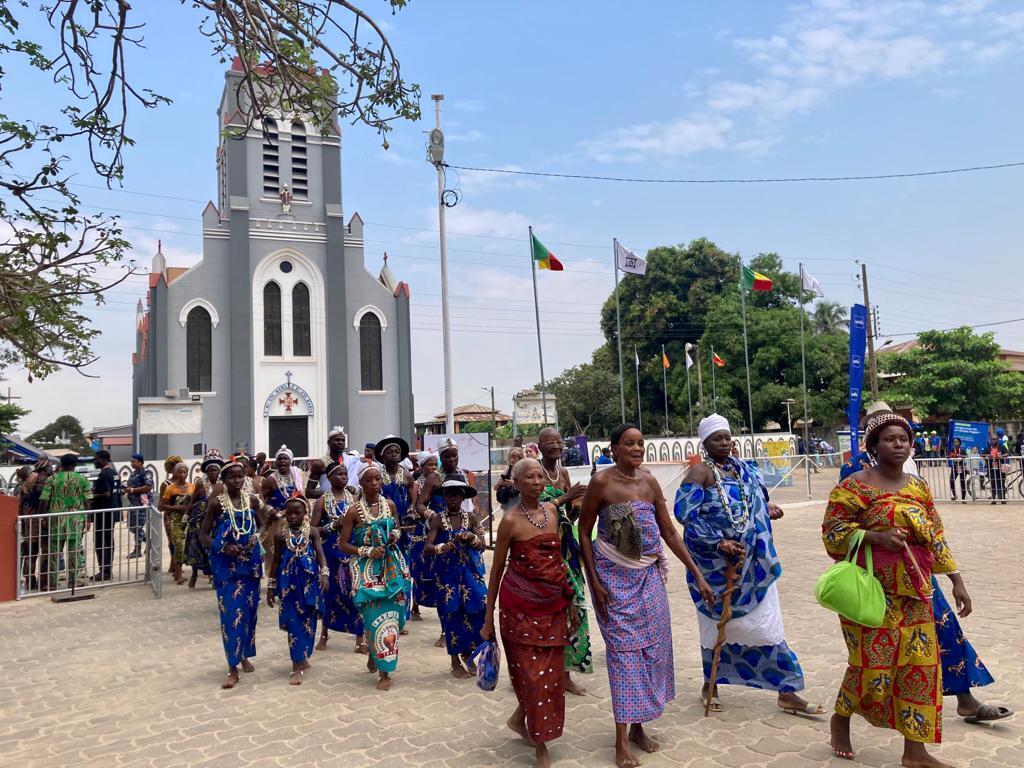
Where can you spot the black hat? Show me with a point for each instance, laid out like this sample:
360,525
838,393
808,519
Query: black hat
384,442
458,482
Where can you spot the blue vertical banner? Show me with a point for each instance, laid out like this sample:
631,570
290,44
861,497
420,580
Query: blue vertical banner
858,344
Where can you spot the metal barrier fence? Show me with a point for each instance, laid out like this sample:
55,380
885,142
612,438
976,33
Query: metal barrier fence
62,552
974,479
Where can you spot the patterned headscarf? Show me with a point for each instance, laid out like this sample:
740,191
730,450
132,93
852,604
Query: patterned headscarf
885,419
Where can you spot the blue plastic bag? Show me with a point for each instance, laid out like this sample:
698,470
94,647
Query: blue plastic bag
487,658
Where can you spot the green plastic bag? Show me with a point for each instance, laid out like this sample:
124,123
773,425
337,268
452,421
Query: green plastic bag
851,591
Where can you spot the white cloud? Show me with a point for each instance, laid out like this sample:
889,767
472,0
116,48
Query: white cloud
471,136
824,47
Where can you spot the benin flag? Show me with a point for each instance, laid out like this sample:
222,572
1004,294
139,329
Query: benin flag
755,281
664,361
545,259
718,361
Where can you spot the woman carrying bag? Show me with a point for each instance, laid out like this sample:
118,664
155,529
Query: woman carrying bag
894,678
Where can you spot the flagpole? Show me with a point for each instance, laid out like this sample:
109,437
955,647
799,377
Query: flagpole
714,384
689,397
618,329
803,366
664,384
540,349
746,356
639,413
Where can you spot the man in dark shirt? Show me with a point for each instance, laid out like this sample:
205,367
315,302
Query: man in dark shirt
106,505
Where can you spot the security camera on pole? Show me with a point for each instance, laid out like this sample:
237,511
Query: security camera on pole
435,153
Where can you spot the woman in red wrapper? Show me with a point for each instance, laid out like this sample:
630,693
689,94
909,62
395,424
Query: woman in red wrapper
536,610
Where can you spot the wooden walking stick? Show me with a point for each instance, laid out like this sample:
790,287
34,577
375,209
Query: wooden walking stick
731,573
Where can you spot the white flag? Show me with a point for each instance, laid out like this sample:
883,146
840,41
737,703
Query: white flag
689,362
810,283
629,261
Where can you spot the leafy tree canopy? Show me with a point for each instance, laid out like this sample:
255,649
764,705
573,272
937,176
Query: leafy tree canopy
63,432
10,413
955,374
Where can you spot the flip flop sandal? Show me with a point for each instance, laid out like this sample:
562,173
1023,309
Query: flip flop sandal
808,710
987,713
716,704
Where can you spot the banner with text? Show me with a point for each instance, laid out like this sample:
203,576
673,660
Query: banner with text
858,344
972,434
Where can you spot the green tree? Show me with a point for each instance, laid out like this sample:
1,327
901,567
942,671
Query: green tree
955,374
63,432
9,415
588,396
828,317
478,426
321,58
773,333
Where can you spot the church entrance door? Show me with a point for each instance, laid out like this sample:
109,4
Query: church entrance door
292,431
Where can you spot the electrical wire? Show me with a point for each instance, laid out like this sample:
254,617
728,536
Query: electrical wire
768,180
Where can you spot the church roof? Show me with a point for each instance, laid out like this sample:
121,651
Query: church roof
473,412
173,273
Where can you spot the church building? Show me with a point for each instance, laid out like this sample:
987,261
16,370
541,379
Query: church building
280,331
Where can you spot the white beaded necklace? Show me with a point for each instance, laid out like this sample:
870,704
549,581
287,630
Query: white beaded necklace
738,523
558,471
533,522
447,525
248,524
396,479
298,541
364,511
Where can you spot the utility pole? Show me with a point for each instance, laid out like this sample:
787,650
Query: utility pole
436,155
871,334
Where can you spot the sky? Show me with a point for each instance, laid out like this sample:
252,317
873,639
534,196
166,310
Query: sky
671,90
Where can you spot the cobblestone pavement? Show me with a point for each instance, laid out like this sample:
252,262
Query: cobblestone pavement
126,680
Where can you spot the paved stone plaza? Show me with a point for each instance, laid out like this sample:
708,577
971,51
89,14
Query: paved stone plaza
126,680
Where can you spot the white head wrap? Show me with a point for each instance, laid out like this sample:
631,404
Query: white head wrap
365,465
711,424
335,431
424,456
284,451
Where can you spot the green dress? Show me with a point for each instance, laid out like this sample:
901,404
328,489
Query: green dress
578,657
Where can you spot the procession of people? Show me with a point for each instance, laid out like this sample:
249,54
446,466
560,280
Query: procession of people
365,542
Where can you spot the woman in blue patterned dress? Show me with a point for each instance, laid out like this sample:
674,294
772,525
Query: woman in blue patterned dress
230,534
195,552
626,569
422,568
755,652
340,612
299,581
456,541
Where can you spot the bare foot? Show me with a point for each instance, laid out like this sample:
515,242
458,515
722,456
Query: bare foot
231,681
295,678
572,687
371,665
416,616
404,631
543,761
361,646
322,643
247,666
840,730
624,758
192,580
384,684
440,641
639,737
518,725
304,665
459,672
468,661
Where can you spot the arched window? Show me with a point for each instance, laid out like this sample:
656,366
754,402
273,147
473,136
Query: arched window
300,171
271,160
370,365
199,351
301,346
271,319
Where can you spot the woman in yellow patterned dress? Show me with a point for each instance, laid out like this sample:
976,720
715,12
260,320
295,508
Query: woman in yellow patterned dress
894,678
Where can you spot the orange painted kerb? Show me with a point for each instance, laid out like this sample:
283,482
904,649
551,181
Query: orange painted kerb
8,548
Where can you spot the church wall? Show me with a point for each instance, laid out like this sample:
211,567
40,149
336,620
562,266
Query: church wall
372,415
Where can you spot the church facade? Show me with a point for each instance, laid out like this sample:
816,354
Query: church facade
280,331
